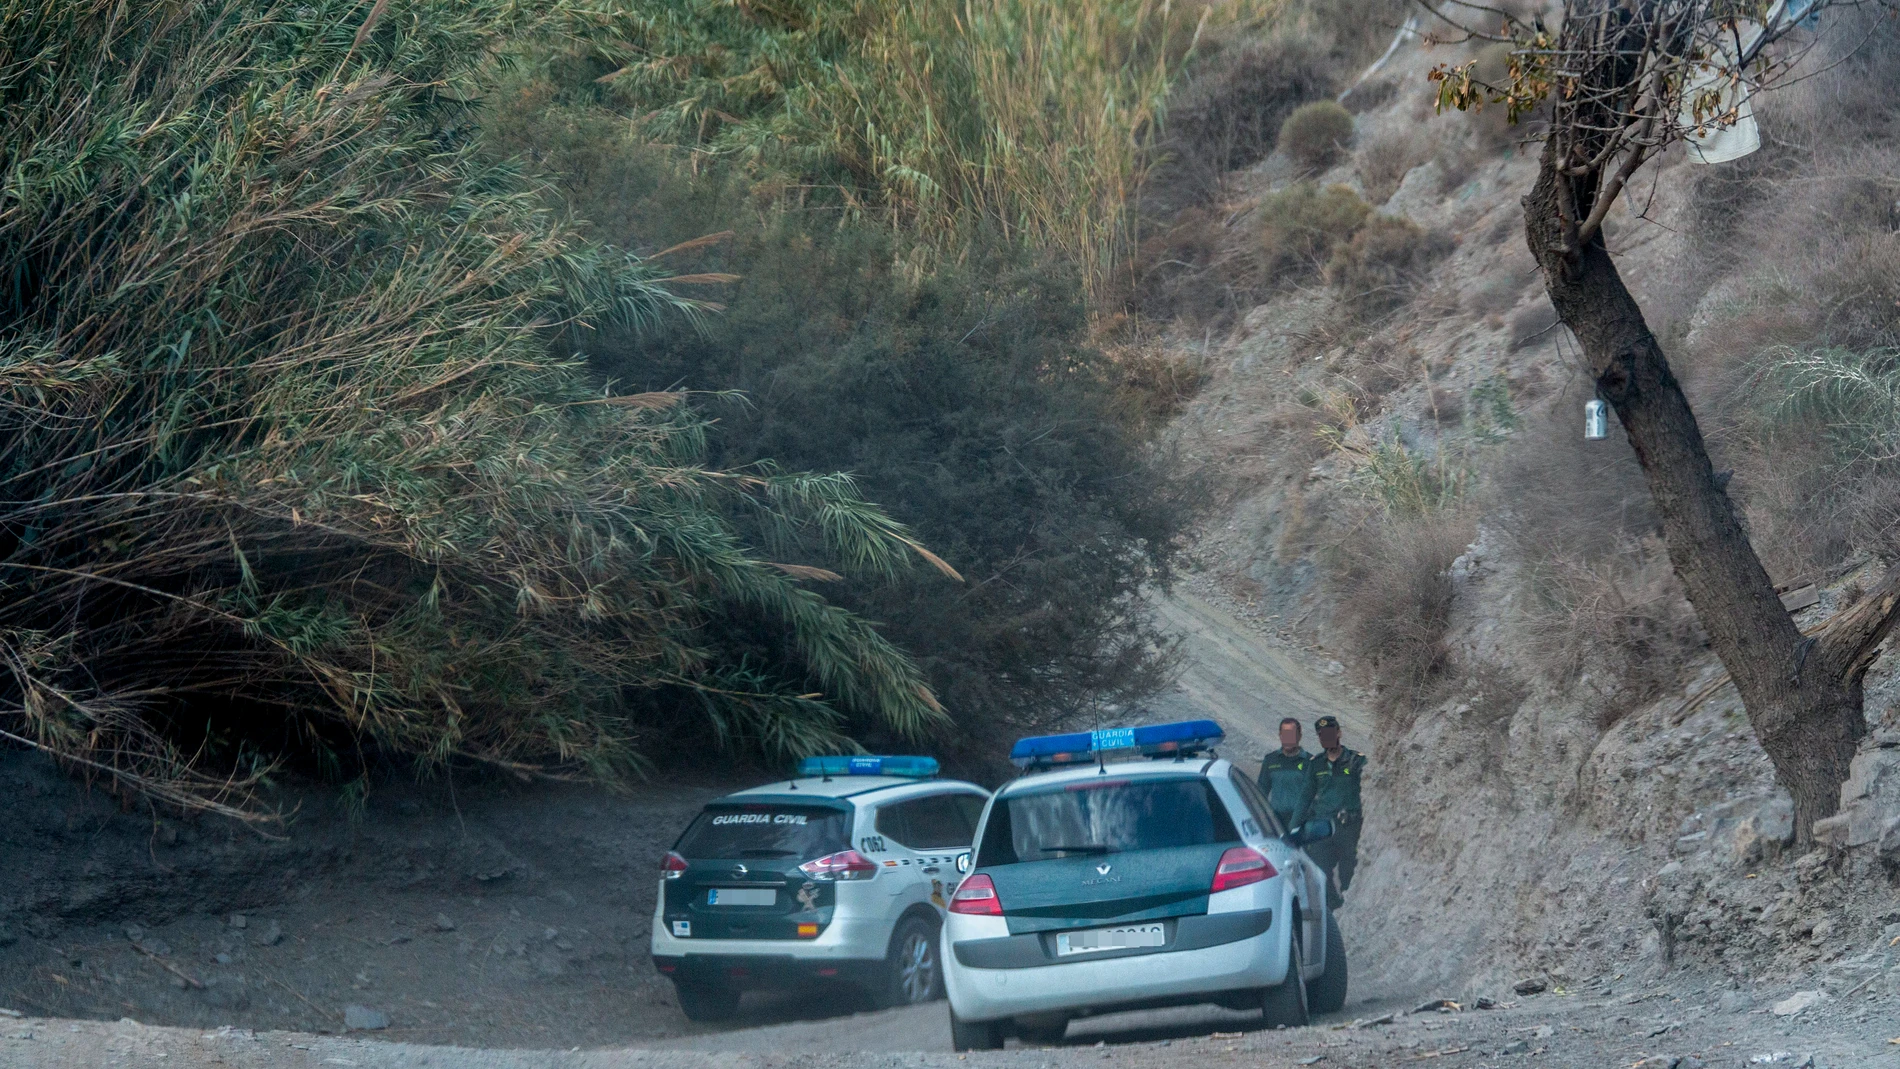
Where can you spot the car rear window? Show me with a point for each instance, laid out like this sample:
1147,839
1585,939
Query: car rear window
1105,816
731,831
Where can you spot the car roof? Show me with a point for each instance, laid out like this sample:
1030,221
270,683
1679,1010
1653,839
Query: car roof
820,788
1198,765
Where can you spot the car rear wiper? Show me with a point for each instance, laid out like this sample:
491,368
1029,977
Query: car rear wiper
1085,848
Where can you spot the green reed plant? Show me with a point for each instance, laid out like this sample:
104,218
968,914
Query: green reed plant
287,466
938,115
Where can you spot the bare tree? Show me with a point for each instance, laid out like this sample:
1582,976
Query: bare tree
1623,80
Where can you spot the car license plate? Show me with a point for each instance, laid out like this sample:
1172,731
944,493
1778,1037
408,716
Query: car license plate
741,896
1095,939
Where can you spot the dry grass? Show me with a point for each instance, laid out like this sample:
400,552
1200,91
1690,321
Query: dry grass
1226,115
1228,112
1026,118
1598,597
1391,584
1535,324
1198,266
1813,436
1801,343
1383,163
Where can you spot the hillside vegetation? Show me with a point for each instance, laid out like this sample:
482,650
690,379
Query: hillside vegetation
410,384
931,116
934,312
292,469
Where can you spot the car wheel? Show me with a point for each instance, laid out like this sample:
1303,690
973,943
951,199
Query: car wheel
1042,1030
1284,1004
912,972
975,1035
704,1002
1328,993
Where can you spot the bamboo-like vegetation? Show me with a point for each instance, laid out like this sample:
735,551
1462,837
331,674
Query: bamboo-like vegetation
285,464
1030,118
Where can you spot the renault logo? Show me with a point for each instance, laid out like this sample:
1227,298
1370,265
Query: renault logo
1102,869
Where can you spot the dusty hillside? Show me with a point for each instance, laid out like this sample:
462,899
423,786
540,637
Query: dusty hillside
1565,790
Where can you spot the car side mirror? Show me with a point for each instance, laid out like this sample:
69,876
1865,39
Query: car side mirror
963,862
1311,832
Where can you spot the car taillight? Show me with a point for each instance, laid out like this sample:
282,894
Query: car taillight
672,866
1241,866
843,865
976,895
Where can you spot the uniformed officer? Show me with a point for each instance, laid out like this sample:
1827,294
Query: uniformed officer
1337,773
1286,778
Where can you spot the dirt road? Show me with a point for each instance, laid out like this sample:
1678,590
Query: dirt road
1683,1026
1241,676
512,925
496,916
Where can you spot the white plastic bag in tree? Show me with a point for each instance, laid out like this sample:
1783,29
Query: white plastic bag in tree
1725,130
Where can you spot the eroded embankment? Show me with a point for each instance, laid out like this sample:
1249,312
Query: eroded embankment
1562,789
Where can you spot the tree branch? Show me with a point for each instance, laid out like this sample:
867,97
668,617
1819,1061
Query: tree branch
1606,196
1849,642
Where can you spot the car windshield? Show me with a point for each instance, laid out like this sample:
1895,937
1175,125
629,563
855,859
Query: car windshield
1085,818
762,830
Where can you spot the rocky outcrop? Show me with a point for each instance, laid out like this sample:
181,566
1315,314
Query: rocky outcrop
1869,819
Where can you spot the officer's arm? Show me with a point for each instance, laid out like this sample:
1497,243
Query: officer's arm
1309,792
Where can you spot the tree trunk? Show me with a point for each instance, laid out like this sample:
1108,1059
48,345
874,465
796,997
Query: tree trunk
1803,695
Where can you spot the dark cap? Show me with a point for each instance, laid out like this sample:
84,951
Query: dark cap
1325,722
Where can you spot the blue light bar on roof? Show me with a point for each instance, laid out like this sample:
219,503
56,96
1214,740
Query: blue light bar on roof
861,765
1186,737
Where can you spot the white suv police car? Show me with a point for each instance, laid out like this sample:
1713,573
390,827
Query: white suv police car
840,874
1101,885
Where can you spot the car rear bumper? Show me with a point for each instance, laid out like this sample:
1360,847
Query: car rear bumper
1029,983
766,971
845,949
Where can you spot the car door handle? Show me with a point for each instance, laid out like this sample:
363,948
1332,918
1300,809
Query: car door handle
932,870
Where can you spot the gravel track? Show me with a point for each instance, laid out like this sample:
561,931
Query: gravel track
1655,1028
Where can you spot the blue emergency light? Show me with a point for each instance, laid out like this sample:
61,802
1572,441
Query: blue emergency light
868,765
1180,739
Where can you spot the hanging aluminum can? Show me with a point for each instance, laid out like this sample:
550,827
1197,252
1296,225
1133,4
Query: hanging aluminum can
1596,421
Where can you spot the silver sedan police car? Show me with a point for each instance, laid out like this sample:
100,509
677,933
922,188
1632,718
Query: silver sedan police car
840,874
1101,885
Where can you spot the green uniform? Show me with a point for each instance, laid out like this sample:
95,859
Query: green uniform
1336,784
1336,797
1287,781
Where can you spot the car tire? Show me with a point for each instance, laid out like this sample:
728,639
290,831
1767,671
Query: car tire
1284,1004
913,971
1327,994
1044,1032
705,1002
975,1035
